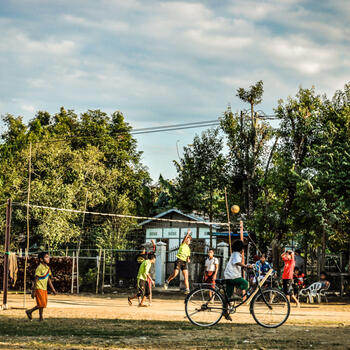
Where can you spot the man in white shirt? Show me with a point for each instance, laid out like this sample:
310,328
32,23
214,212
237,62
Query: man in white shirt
211,268
233,271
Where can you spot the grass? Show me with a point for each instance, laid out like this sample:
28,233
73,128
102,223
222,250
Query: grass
70,333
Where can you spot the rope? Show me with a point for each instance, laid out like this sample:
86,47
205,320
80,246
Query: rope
120,215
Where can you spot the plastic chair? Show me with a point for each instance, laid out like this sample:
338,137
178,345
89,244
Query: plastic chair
323,293
311,292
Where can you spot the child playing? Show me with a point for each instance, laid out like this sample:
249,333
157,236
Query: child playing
233,273
211,268
298,281
287,276
140,259
42,278
142,280
183,258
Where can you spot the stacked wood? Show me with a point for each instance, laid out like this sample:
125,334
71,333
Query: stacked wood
61,268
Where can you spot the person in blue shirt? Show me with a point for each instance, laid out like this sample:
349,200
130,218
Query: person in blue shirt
263,266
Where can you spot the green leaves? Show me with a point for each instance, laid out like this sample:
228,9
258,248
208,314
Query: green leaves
99,165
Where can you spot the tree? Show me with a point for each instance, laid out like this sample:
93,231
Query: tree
248,139
201,176
78,162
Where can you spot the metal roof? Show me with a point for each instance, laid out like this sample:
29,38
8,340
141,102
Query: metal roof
173,210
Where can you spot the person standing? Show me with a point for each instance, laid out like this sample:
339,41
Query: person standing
287,276
42,279
142,281
182,261
211,268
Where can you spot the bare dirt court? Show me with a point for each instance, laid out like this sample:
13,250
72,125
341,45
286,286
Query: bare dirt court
90,322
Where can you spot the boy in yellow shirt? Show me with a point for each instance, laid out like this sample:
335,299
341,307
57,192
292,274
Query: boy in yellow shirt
143,278
42,278
183,258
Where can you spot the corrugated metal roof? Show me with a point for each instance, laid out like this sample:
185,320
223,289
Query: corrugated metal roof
174,210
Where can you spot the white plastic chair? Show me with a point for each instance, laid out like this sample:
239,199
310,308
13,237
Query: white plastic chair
311,292
323,293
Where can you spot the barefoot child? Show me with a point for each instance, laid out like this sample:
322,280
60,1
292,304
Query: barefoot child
142,280
211,268
42,278
181,263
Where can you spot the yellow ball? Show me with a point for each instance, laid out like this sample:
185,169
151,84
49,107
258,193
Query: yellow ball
235,209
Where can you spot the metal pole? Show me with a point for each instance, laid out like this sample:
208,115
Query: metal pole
7,252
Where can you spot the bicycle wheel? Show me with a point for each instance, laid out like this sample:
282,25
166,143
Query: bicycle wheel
270,308
204,307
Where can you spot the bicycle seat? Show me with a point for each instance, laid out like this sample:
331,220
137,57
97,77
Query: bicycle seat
220,281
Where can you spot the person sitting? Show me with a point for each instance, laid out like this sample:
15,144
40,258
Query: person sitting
323,280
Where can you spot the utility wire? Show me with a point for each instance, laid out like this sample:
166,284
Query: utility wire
141,131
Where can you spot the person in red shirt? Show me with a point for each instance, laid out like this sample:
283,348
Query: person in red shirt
287,277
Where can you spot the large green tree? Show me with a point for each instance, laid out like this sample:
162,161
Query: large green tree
87,162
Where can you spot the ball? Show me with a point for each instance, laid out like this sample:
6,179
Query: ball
235,209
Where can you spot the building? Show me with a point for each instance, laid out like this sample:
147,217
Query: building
172,233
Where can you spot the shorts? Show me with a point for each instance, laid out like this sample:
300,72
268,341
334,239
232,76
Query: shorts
209,278
41,298
181,265
142,288
240,283
288,287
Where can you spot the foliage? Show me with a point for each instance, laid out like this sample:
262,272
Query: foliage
99,169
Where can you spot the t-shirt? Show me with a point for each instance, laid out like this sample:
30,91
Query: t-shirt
288,270
43,272
210,264
263,268
144,270
233,270
184,252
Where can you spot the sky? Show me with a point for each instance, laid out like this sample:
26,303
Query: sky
167,62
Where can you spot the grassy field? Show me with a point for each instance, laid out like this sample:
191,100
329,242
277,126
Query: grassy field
100,323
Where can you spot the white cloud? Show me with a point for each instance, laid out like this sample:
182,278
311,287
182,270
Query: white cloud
301,55
162,62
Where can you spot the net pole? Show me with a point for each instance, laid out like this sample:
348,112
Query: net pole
27,246
228,222
7,252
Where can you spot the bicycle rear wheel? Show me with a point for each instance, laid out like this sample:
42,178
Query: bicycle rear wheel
204,307
270,308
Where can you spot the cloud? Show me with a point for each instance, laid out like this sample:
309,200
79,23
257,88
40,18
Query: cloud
162,62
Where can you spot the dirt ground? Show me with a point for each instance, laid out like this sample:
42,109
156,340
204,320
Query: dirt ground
96,322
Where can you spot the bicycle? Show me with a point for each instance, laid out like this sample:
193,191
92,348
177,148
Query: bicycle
205,306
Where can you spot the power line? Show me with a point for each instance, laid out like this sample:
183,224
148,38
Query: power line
141,131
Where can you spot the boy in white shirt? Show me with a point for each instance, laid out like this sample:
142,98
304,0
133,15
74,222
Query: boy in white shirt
211,268
233,272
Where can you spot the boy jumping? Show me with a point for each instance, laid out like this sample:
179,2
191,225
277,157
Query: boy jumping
183,258
42,278
142,280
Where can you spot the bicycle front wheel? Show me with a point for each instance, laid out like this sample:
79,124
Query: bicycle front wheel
270,308
204,307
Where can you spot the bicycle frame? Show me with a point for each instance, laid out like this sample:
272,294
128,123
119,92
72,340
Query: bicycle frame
251,296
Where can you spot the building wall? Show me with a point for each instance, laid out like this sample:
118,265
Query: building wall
172,233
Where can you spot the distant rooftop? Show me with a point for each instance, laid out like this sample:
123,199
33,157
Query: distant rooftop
173,210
